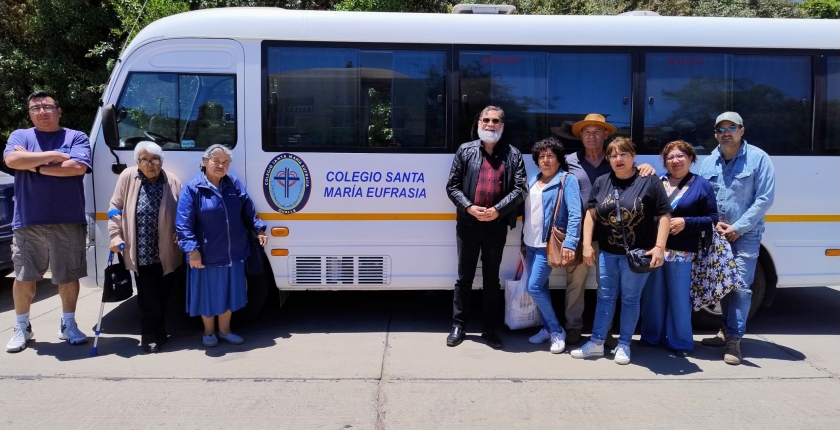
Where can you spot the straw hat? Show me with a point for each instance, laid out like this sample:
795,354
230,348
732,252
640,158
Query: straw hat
593,119
565,130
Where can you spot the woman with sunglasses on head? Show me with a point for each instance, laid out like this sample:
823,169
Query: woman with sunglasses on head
214,215
666,306
624,207
142,227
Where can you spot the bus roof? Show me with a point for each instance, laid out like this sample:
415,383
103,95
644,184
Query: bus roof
566,30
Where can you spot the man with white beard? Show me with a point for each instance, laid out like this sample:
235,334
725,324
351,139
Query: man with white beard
487,184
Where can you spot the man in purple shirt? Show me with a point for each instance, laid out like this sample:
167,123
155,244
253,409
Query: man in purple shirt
49,219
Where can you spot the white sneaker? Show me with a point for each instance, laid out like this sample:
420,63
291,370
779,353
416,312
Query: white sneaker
22,334
590,349
558,342
622,354
231,338
71,333
541,337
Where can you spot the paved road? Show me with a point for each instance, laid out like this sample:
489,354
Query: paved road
377,360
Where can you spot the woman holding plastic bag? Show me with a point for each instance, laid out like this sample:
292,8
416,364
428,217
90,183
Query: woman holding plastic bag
543,191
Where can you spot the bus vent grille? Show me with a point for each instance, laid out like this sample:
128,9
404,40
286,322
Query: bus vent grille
340,270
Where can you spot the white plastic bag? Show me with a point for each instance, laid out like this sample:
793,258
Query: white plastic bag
520,309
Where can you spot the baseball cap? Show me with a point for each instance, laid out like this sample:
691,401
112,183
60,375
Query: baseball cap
729,116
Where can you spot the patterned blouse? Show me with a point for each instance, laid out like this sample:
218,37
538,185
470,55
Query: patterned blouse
148,208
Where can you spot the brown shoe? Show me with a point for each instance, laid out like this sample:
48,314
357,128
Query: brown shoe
572,336
718,341
732,353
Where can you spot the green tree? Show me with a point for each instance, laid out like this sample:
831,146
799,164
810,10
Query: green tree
44,44
439,6
822,8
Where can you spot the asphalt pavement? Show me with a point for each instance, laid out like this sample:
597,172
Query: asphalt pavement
378,360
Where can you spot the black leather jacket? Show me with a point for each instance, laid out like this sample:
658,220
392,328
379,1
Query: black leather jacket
464,175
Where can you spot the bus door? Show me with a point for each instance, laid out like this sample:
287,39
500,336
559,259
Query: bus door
185,95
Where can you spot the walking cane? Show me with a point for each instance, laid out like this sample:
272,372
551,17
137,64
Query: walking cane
93,350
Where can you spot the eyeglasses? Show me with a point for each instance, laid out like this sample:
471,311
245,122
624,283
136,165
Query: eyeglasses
46,108
488,120
219,162
623,156
731,129
144,162
681,156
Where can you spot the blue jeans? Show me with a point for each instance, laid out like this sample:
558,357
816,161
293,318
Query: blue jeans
736,305
617,279
538,273
666,306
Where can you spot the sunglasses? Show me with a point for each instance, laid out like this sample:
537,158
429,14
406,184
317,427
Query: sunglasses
488,120
731,129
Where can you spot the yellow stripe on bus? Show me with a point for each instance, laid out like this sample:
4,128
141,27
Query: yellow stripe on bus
274,216
802,218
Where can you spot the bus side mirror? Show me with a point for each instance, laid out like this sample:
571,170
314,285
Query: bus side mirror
110,132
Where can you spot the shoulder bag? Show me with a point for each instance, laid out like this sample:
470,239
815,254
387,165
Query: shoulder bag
636,258
554,247
714,272
254,264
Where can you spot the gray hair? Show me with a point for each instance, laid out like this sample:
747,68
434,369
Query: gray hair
495,108
208,154
150,147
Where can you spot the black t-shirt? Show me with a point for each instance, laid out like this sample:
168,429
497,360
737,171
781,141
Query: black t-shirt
641,199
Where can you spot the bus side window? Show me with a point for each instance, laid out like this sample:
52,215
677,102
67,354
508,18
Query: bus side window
354,98
178,111
540,91
832,132
686,91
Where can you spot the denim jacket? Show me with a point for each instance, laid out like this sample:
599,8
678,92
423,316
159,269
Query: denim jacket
570,213
214,221
744,188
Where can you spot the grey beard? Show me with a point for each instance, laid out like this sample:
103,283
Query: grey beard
489,136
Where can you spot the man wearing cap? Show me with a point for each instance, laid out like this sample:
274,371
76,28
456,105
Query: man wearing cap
487,184
744,182
587,165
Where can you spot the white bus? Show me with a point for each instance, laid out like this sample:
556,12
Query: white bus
343,124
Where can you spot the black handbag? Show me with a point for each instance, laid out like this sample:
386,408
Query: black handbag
117,281
254,263
636,258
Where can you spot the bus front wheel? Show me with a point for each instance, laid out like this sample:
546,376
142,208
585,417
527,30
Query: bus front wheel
710,318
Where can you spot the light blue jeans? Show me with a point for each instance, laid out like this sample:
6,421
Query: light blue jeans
617,279
736,305
538,273
666,306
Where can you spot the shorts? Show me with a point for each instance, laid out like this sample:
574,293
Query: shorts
61,247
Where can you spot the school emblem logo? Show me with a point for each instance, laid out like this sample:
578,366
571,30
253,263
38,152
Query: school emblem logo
287,183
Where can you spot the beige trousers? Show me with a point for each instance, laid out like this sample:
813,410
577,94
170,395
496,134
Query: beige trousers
575,287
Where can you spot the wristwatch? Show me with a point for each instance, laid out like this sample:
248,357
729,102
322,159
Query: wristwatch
38,170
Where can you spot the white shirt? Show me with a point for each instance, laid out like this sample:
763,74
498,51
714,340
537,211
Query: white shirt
532,226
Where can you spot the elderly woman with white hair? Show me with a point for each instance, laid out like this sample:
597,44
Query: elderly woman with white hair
214,215
142,219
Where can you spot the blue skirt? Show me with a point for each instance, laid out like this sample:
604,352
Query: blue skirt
215,290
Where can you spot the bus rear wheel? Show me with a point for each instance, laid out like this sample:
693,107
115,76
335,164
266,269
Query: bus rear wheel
710,317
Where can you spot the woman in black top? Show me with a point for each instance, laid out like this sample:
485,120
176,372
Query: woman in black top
640,200
666,302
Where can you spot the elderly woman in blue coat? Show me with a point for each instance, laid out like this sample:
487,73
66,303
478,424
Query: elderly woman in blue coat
214,215
543,191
